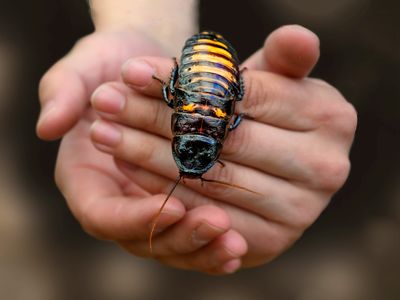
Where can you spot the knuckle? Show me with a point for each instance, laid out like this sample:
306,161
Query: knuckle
336,113
349,120
90,222
158,117
329,174
319,82
340,118
151,119
84,41
303,221
45,82
308,209
238,141
136,148
328,112
264,95
256,95
143,151
153,116
87,43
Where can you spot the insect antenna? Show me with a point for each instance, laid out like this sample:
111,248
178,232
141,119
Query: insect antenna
154,224
230,184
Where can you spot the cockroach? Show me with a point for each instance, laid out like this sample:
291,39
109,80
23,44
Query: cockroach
202,90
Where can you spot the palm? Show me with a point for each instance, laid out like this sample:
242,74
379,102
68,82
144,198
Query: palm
78,155
99,177
92,170
118,201
91,174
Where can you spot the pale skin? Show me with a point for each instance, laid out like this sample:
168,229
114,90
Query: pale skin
115,170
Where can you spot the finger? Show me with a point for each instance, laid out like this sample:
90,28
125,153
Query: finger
306,105
290,50
270,225
95,195
283,205
125,217
63,96
272,99
198,228
221,256
65,89
292,155
153,154
116,102
138,73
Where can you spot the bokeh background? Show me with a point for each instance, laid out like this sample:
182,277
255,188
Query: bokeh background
353,250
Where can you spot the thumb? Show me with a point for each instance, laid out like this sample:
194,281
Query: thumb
290,50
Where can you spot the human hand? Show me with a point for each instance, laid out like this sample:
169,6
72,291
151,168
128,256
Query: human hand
294,152
83,174
65,89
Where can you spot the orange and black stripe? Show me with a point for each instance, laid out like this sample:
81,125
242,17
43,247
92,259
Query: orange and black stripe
202,90
208,85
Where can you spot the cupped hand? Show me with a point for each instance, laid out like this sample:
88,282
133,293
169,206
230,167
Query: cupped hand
294,151
65,89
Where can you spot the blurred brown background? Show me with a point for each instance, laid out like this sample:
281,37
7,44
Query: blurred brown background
353,250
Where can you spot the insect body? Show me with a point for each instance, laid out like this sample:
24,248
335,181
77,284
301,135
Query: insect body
203,90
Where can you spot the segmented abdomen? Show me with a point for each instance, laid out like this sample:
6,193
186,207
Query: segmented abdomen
209,78
209,65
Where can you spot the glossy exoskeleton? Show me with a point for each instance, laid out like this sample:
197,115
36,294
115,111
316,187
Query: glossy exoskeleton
203,90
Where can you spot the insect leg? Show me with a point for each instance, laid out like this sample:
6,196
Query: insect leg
236,121
174,77
241,85
222,164
165,91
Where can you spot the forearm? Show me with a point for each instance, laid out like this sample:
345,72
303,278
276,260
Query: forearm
169,22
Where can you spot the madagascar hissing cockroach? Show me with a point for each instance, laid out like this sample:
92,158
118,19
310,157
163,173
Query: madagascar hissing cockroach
203,90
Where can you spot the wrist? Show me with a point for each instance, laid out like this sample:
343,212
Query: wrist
167,22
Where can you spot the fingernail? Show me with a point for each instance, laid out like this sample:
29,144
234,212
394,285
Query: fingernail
231,266
108,99
106,134
204,233
137,72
